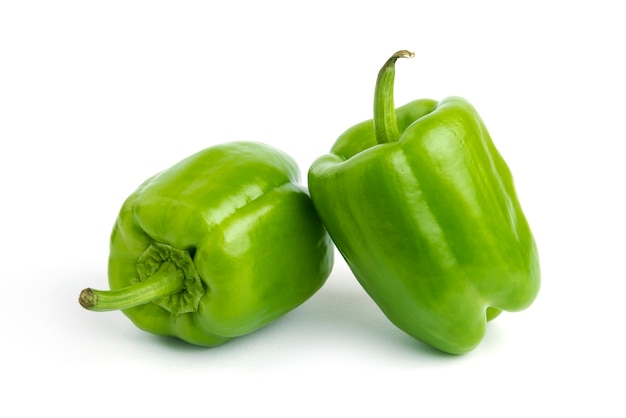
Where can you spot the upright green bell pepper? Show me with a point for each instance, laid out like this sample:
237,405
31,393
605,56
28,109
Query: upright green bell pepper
217,246
423,208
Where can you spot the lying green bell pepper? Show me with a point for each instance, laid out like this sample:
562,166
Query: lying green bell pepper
423,208
217,246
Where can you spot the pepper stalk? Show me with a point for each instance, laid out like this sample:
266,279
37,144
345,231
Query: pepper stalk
385,124
167,277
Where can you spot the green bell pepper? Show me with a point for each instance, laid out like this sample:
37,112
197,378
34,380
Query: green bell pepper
423,208
217,246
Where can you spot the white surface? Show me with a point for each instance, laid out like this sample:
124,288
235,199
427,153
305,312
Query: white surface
97,96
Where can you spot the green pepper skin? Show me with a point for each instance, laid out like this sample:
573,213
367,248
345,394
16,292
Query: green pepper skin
430,224
249,231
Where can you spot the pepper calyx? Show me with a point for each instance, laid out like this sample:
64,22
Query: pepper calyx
160,256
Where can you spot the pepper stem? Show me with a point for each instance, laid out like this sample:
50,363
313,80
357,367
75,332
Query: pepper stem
167,281
167,277
385,124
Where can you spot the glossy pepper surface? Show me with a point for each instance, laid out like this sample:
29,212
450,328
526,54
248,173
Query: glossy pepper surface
423,208
217,246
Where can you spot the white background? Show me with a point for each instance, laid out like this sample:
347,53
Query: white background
97,96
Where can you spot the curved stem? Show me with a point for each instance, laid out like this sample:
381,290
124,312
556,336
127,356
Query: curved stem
168,280
385,124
